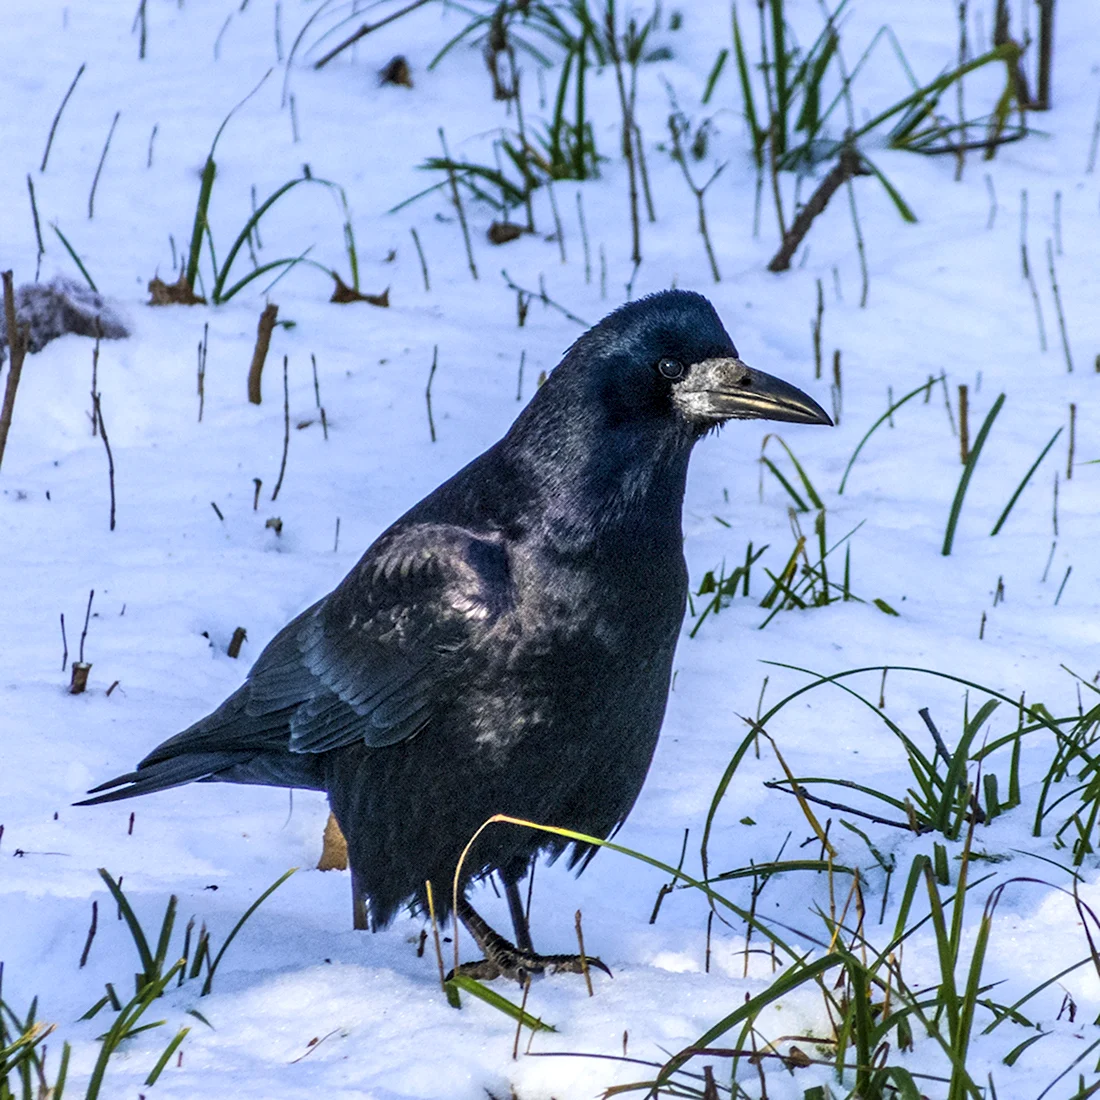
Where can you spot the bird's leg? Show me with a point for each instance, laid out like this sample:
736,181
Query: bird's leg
506,960
519,916
358,903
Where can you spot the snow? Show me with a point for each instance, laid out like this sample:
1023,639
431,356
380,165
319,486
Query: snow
173,580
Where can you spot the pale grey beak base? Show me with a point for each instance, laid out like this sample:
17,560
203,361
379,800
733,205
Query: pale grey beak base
727,389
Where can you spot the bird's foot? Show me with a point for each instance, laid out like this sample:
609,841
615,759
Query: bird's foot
503,960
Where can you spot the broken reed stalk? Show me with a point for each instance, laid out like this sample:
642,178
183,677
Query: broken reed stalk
457,199
107,446
202,368
95,387
91,935
1041,102
235,643
423,262
1028,274
627,107
259,353
1058,308
57,117
17,347
428,391
317,396
964,423
584,239
1072,440
99,166
366,29
80,668
37,228
286,429
817,329
558,231
846,167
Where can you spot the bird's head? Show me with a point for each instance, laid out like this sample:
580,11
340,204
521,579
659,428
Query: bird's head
668,357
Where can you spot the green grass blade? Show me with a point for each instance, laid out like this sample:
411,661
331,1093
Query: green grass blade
968,470
240,924
923,387
903,208
799,503
140,942
758,134
169,1050
76,259
1023,484
242,238
501,1004
715,73
206,187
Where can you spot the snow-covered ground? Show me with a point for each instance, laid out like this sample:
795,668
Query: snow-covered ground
191,558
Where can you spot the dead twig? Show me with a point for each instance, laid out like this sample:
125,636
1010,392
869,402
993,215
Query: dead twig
366,29
259,354
17,345
846,167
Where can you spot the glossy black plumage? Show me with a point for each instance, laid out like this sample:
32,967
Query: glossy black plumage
506,646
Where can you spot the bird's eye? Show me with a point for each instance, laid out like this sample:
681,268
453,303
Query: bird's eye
670,368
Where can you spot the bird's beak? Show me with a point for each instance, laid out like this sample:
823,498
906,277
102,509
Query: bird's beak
724,389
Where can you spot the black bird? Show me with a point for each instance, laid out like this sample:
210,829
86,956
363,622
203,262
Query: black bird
506,645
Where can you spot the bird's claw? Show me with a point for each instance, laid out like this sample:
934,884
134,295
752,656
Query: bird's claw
519,965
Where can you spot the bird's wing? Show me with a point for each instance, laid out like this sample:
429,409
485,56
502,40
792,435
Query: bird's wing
378,657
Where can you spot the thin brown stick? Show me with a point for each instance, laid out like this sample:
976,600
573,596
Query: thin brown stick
1072,439
107,446
17,346
91,935
846,167
259,353
1058,308
457,199
1041,102
584,957
627,108
366,29
286,429
423,262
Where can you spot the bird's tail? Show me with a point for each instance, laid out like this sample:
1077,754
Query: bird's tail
173,772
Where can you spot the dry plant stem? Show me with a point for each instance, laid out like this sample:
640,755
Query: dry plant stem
37,227
91,935
457,199
263,341
423,262
95,387
817,329
1046,50
99,166
57,117
1001,38
1058,308
698,192
960,163
992,201
964,423
17,345
558,231
643,172
1072,440
107,446
235,643
847,166
627,107
366,29
584,957
286,428
584,239
428,392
